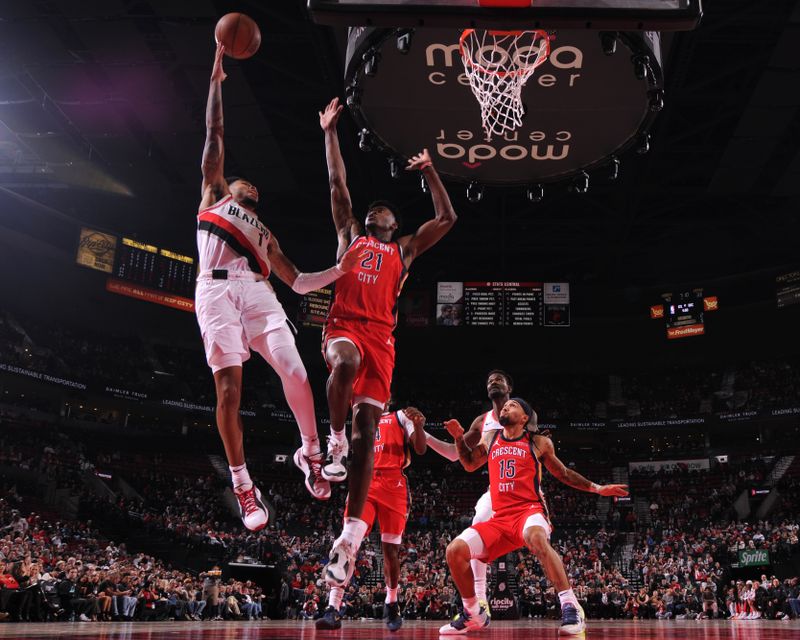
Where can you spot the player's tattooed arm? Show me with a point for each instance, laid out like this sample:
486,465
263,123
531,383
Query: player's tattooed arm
562,473
444,215
347,227
214,186
471,459
418,440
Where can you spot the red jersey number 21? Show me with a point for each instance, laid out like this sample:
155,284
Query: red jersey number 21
366,263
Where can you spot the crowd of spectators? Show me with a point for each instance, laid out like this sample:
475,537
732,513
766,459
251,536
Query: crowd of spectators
677,562
131,362
59,570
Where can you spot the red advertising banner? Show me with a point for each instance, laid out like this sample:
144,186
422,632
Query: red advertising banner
710,303
149,295
685,331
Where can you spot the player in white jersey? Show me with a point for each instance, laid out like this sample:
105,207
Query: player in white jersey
498,387
237,310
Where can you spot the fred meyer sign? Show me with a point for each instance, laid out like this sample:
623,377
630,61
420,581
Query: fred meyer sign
753,557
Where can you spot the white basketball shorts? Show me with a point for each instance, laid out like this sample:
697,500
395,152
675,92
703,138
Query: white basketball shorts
483,508
232,314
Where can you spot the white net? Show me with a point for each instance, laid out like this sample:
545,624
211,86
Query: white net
498,64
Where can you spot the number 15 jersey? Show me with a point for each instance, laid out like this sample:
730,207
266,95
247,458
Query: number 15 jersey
515,473
370,291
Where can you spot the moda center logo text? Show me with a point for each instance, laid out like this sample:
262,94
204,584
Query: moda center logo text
533,145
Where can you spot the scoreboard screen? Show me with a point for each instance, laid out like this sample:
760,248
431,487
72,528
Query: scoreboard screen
502,304
788,289
155,268
314,307
684,314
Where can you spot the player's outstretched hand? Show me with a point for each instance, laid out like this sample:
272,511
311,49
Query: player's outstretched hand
619,490
330,116
350,258
419,161
415,415
217,73
454,428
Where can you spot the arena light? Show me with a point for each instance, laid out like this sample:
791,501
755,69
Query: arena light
613,168
371,67
580,183
404,41
353,98
535,193
394,167
643,144
641,66
364,140
656,100
608,40
474,192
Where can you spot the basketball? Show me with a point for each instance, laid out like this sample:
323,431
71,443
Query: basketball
240,35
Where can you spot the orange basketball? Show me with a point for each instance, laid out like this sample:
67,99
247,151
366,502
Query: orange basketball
240,35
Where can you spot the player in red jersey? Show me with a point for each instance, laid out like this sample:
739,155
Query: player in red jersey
498,387
388,501
515,457
358,344
237,310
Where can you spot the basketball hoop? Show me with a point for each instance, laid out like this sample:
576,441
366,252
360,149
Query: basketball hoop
498,64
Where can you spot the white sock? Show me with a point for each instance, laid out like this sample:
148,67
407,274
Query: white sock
241,478
335,597
311,446
568,597
479,571
391,595
354,531
338,436
471,606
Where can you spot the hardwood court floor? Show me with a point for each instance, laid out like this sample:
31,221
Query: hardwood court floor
371,630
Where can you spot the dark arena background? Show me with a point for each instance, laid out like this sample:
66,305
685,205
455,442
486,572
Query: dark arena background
629,253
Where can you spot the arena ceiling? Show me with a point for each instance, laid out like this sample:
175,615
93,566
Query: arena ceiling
102,123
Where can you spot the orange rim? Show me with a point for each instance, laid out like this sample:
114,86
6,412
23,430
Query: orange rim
540,35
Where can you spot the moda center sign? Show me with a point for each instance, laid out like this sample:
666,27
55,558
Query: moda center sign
582,106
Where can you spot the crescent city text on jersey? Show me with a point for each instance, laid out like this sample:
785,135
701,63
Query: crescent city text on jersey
508,451
372,278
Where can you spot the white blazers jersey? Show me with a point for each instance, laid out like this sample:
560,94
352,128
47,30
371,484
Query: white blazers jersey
490,422
232,237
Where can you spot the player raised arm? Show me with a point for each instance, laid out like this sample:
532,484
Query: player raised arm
445,449
560,472
214,186
347,227
300,282
471,459
417,438
448,450
444,215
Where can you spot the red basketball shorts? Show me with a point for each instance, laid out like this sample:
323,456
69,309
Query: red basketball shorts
388,502
503,532
375,344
